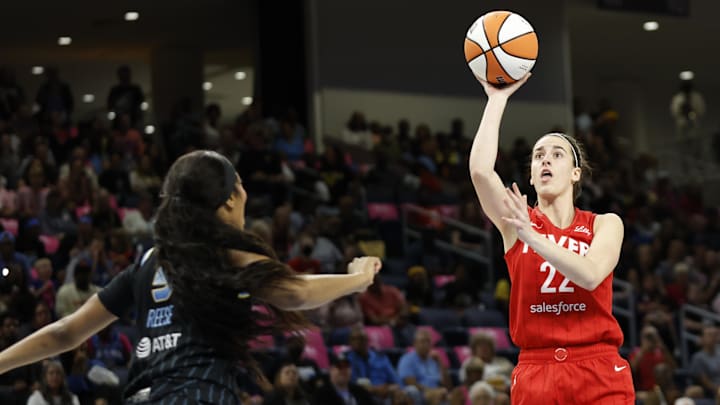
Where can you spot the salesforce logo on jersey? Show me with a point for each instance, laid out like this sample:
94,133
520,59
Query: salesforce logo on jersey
557,309
147,346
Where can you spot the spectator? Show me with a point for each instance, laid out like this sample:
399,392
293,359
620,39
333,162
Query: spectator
139,223
56,220
12,95
496,369
287,388
211,126
77,186
126,97
705,364
115,179
43,287
304,262
307,370
53,387
28,241
371,367
322,249
42,154
19,299
111,349
104,216
382,304
340,391
652,351
8,255
474,370
55,96
341,313
665,391
419,291
422,369
144,179
72,295
291,142
41,318
14,385
32,194
482,393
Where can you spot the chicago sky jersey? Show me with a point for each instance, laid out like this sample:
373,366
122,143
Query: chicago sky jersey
548,310
170,357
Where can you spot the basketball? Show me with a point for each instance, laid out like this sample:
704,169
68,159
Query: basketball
501,47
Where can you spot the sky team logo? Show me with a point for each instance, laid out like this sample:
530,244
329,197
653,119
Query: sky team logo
161,290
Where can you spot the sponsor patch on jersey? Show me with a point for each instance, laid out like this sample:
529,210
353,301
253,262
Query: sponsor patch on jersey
147,346
157,317
161,290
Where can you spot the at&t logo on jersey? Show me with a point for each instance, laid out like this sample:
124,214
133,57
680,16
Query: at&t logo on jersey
147,346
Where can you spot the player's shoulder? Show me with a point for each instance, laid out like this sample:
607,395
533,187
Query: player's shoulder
610,221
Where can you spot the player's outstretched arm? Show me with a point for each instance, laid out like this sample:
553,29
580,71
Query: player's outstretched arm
59,336
312,291
483,154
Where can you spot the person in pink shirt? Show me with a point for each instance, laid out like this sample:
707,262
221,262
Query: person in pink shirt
382,304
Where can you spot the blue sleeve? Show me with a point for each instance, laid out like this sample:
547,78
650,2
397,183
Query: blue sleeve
392,376
405,368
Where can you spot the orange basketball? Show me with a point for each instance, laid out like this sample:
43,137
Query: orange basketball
501,47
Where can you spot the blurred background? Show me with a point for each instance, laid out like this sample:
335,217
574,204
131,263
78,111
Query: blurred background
350,124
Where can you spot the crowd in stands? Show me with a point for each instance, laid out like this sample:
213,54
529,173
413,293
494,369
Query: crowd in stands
76,207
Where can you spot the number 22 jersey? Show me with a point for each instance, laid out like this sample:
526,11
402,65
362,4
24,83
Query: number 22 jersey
548,310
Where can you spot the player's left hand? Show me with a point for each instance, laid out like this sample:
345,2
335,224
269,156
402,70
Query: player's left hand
517,207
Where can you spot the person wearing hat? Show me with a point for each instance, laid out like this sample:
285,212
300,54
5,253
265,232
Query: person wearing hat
340,391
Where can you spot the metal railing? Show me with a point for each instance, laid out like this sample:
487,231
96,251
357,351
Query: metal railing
484,259
687,336
628,312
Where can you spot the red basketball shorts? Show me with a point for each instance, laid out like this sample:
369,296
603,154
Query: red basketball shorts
575,375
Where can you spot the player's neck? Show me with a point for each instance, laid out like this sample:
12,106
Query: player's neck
560,211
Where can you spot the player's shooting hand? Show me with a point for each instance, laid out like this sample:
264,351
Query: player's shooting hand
518,215
506,90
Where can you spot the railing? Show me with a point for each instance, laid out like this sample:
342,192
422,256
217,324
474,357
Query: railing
687,336
485,259
623,292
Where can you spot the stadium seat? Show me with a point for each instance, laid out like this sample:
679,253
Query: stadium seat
462,353
439,318
380,337
51,243
486,317
315,348
458,336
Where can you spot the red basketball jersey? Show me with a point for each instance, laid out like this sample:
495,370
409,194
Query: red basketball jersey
547,309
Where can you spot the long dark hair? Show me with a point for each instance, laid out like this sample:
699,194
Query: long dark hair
209,291
63,391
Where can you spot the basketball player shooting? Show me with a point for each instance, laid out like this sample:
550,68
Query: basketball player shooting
560,261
